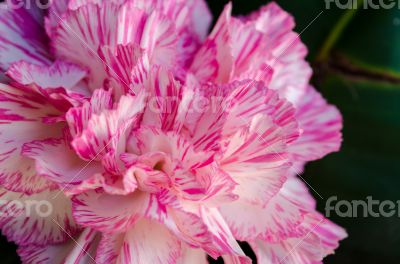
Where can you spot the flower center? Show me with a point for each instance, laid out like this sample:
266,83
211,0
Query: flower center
159,166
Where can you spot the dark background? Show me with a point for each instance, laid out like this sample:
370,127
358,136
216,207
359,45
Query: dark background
360,75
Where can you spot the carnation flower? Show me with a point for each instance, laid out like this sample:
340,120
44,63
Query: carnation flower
151,141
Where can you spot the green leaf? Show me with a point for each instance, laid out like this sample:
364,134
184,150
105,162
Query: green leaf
372,41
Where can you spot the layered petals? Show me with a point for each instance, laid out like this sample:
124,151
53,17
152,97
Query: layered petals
146,242
81,32
108,130
213,62
311,248
91,209
149,242
60,81
78,117
57,162
21,121
127,65
257,161
282,216
164,97
196,225
79,249
321,124
286,52
130,135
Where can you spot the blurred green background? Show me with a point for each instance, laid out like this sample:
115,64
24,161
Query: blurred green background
356,61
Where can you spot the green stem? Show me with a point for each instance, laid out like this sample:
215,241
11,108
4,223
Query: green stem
336,32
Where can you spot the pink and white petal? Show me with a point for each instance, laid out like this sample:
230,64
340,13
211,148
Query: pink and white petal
283,51
250,98
21,41
150,139
79,249
260,73
147,178
149,242
214,60
140,74
75,4
40,218
321,239
221,232
187,117
201,18
58,75
56,10
218,186
18,173
164,98
302,250
120,64
271,19
256,158
56,161
153,31
85,248
101,100
78,117
291,72
192,15
192,20
329,233
159,40
150,142
126,184
95,182
92,209
280,219
111,184
232,108
192,255
21,116
112,164
109,248
185,220
251,52
47,254
247,46
80,34
19,104
109,129
208,185
205,117
321,124
132,20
